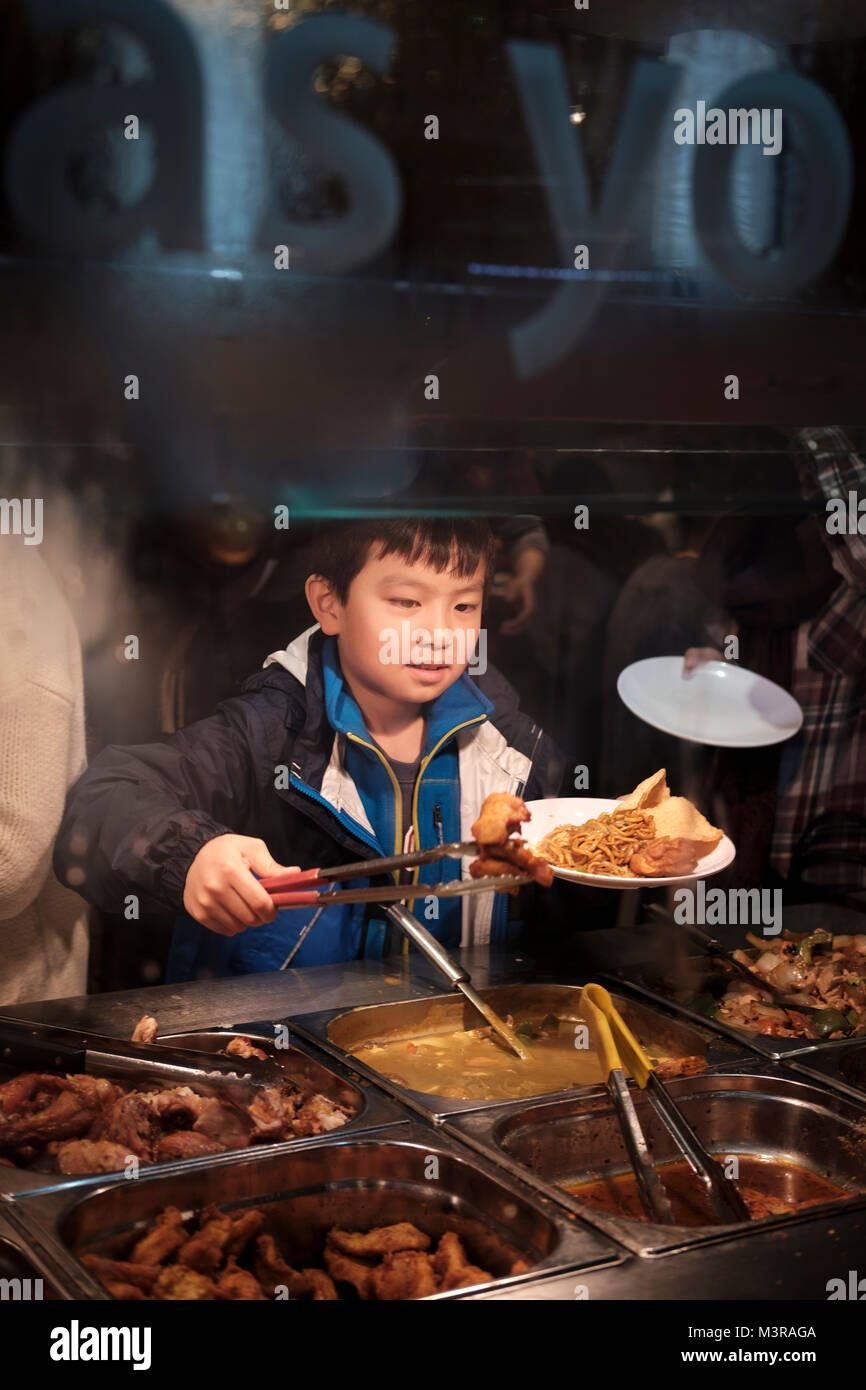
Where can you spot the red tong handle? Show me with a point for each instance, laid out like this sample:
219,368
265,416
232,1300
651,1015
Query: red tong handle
290,879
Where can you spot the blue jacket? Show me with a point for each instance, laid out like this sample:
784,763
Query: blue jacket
291,762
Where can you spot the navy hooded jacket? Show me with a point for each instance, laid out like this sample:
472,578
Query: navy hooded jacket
290,761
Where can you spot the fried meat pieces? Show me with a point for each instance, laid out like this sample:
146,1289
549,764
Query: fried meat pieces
229,1257
665,857
500,855
88,1124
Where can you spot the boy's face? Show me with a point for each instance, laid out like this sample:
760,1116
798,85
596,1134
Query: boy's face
406,631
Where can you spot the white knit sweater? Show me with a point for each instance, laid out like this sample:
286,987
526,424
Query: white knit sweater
43,925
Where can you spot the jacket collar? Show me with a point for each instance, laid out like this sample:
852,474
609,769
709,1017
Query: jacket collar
461,704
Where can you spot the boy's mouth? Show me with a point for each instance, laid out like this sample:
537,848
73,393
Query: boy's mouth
428,669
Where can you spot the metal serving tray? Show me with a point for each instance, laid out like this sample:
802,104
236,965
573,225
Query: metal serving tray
301,1063
20,1264
841,1064
338,1030
405,1173
754,1110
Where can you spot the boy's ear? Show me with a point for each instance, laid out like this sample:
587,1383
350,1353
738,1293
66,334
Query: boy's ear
324,604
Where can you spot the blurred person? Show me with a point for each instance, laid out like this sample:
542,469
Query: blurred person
798,593
43,924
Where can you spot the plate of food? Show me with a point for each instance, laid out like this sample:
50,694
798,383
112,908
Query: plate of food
646,839
718,703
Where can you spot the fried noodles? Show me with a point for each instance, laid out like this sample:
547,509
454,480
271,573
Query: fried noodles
603,845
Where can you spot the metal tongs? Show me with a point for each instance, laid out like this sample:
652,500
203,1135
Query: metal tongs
309,887
284,887
616,1042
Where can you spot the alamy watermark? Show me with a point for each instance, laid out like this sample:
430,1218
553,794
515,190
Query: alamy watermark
439,646
715,907
22,516
737,126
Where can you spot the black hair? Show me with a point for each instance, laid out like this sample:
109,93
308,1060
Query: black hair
453,545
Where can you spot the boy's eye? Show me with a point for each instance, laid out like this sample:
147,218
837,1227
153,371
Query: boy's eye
466,607
405,602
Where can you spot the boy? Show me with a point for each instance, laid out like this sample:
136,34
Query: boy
334,750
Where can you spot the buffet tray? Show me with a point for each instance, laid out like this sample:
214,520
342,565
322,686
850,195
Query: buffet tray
302,1063
755,1109
336,1030
404,1172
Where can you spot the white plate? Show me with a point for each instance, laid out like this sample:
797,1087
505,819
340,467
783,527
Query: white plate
574,810
719,703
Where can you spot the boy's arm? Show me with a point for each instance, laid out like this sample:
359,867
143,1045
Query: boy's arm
138,817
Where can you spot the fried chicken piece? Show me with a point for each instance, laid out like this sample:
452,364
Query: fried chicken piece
162,1240
345,1270
145,1030
143,1277
513,857
243,1047
206,1250
239,1285
520,1266
501,815
680,1066
131,1122
469,1276
178,1107
666,857
58,1107
127,1292
450,1258
405,1274
272,1271
317,1115
179,1282
244,1227
321,1286
381,1240
184,1143
227,1123
272,1111
89,1156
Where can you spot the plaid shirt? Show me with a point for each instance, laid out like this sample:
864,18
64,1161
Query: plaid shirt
823,769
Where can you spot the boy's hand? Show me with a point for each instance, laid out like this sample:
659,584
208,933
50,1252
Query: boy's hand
220,891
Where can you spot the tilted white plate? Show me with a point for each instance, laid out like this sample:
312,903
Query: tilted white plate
718,703
574,810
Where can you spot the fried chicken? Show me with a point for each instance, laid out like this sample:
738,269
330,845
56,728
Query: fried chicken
50,1108
501,815
243,1047
383,1240
498,855
184,1143
320,1286
345,1270
404,1274
680,1066
131,1122
273,1109
512,857
142,1276
163,1240
272,1271
317,1115
225,1122
89,1156
178,1282
206,1250
666,857
238,1284
145,1030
